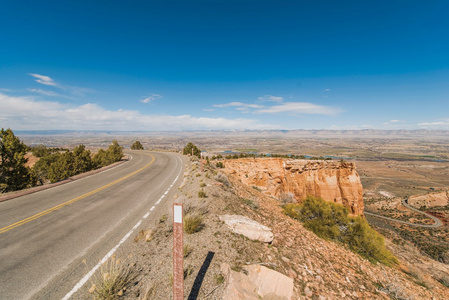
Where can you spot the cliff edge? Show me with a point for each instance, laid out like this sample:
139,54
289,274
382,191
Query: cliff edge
335,181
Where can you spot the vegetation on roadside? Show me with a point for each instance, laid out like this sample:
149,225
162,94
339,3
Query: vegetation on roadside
59,166
14,175
136,146
191,149
331,221
111,280
54,164
193,218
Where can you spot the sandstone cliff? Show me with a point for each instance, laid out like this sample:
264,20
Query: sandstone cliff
330,180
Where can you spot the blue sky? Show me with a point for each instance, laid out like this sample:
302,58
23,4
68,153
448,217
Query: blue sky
183,65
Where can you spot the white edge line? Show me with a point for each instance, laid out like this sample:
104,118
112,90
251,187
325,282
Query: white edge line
137,225
112,251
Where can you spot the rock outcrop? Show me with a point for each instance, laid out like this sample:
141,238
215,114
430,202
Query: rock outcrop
330,180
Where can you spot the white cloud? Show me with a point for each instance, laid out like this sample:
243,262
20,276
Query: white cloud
229,104
301,108
25,113
444,123
43,79
393,122
254,105
208,109
271,98
47,80
327,90
46,93
239,105
151,98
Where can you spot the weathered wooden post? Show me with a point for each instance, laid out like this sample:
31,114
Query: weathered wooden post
178,256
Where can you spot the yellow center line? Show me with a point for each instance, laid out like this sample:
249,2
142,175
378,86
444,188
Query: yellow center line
47,211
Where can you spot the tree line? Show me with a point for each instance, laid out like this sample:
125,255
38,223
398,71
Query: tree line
54,164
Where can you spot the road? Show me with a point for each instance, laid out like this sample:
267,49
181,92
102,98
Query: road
437,222
46,236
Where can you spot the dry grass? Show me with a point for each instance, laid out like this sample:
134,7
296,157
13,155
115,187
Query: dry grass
150,292
285,198
193,223
193,218
187,249
111,280
146,235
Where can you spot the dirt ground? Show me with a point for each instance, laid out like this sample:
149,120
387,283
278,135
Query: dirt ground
391,179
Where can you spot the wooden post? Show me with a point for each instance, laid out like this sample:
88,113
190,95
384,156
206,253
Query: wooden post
178,255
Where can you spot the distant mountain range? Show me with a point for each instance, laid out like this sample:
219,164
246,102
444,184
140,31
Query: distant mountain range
281,133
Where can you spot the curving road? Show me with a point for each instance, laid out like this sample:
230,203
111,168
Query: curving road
437,222
45,236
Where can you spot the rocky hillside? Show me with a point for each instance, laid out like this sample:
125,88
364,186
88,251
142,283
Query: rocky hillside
430,200
329,180
219,263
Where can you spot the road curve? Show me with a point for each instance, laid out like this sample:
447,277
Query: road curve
437,221
45,236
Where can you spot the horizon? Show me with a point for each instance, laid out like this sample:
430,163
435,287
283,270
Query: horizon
224,66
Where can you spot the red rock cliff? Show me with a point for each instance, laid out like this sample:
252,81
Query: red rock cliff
330,180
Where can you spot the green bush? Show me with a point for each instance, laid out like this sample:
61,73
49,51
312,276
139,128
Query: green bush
137,146
331,221
202,194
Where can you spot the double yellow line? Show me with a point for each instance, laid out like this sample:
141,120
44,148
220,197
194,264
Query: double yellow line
47,211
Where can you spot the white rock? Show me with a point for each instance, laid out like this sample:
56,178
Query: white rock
249,228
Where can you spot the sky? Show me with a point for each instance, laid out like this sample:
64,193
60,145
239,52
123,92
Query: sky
224,64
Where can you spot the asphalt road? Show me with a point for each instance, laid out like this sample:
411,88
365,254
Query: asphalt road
437,222
46,236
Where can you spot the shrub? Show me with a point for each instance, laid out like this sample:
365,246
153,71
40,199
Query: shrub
202,194
222,178
137,145
112,279
330,221
193,218
251,203
287,198
193,223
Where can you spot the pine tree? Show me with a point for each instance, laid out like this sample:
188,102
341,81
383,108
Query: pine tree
136,146
14,175
188,150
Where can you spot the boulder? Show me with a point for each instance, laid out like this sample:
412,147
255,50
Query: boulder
248,227
258,282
